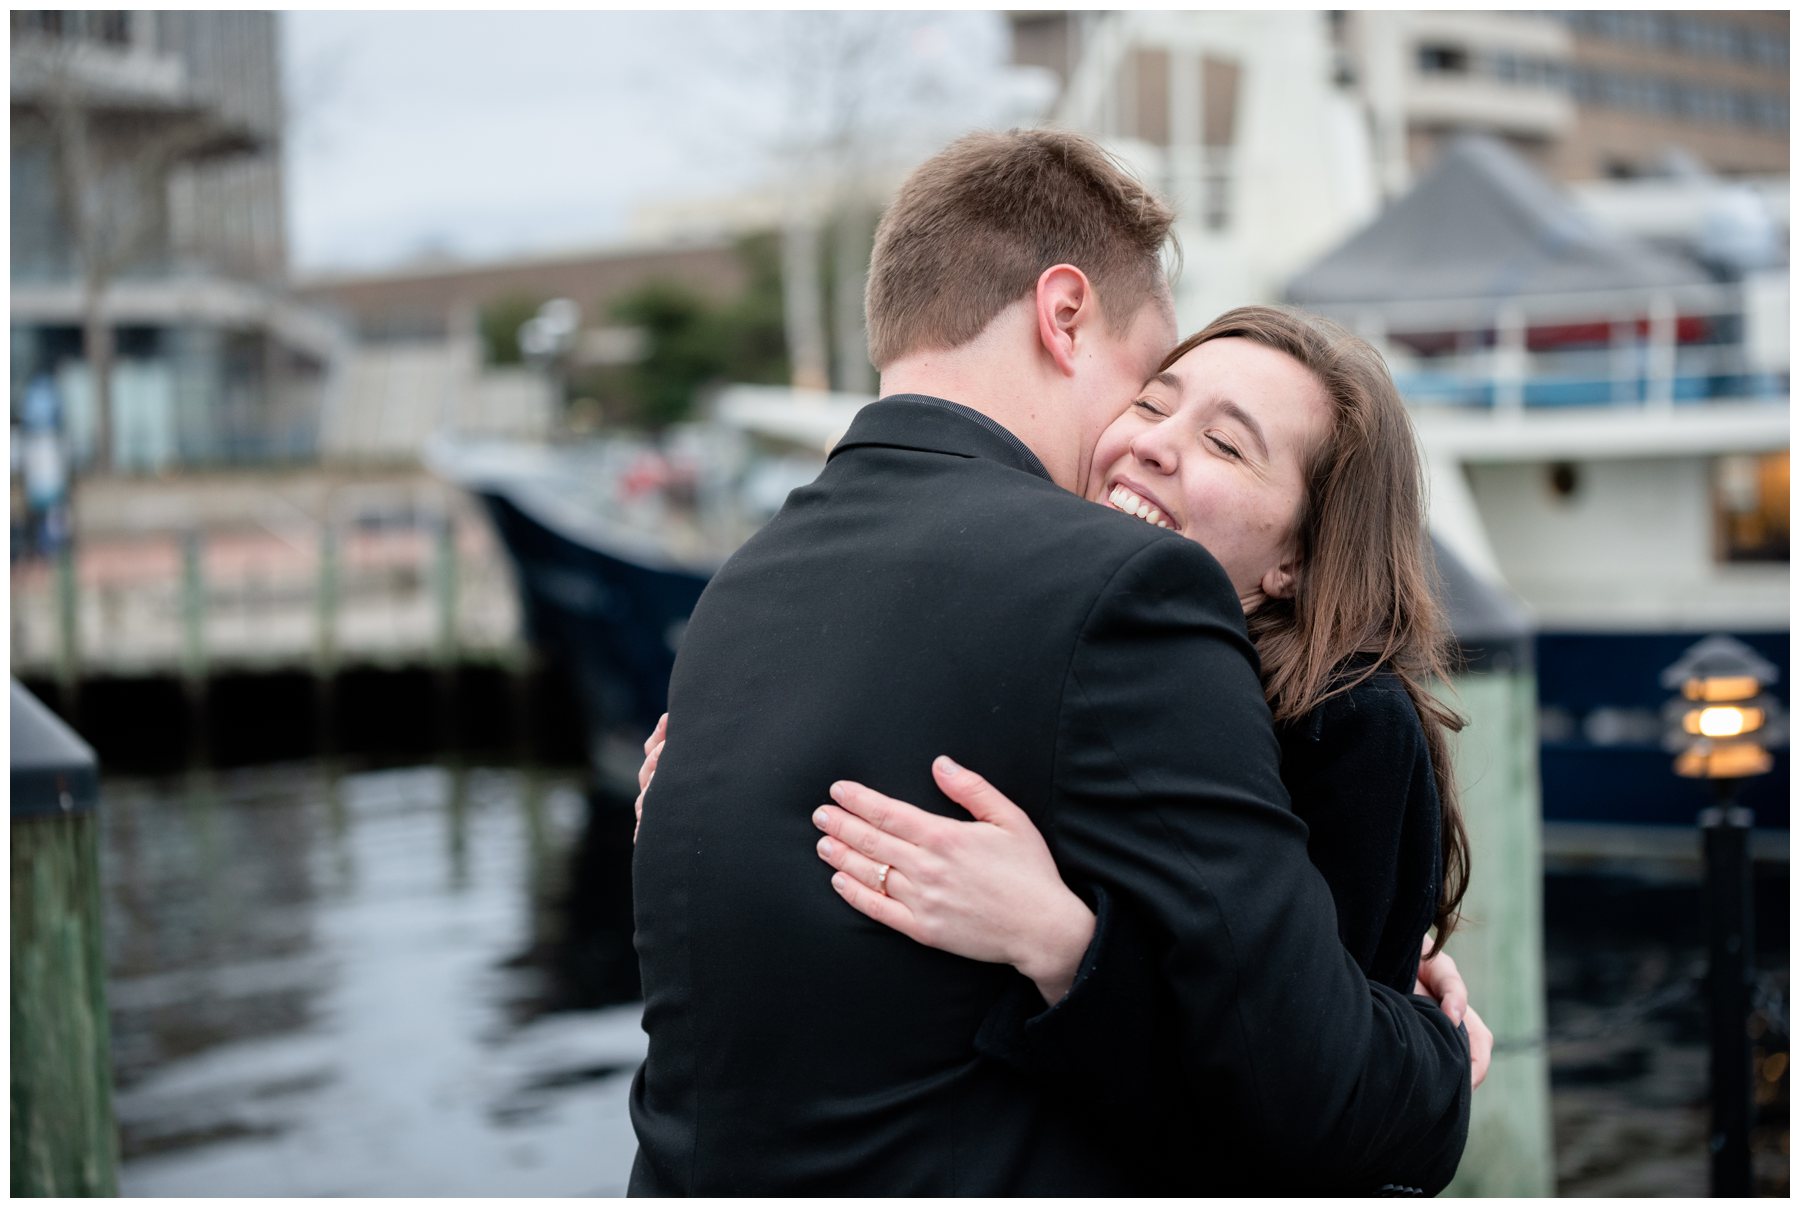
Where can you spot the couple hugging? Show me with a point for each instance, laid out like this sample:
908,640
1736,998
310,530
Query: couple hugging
1166,607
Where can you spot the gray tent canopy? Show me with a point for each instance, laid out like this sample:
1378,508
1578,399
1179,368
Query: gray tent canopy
1483,224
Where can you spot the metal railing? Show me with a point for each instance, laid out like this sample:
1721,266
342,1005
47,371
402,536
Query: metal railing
1641,349
193,604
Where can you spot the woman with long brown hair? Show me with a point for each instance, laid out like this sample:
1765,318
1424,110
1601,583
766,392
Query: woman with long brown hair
1278,441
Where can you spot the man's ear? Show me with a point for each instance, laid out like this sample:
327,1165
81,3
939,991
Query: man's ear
1065,305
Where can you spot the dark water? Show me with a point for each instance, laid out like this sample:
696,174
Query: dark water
339,982
343,984
1628,1031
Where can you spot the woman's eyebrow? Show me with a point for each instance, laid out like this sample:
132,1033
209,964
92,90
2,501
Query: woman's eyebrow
1249,421
1165,378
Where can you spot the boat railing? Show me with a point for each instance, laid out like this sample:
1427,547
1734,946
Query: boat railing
1638,349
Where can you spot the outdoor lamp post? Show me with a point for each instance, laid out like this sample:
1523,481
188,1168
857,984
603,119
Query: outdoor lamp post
1720,727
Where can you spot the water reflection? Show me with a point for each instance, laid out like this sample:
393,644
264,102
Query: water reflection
420,982
353,983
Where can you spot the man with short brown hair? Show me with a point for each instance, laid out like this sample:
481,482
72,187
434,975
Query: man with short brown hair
956,222
940,588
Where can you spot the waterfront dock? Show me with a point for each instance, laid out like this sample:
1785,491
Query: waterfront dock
266,573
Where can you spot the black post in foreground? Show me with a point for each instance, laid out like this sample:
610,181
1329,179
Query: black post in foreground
1725,834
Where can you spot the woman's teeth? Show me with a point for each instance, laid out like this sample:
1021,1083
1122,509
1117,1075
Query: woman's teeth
1131,505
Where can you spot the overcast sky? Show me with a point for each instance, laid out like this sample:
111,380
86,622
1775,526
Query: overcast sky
484,134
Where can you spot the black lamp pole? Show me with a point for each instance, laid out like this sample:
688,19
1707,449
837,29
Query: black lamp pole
1722,726
1725,834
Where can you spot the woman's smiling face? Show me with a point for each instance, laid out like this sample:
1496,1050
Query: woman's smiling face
1215,447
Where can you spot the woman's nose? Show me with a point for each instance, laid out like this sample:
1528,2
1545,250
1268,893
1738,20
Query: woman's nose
1155,450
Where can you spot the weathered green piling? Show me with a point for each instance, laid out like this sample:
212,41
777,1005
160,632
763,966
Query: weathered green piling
325,646
193,609
444,584
325,652
64,1142
68,626
1500,947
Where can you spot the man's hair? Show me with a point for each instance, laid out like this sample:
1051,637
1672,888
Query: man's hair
976,225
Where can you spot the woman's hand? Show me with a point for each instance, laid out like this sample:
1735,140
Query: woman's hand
988,889
653,748
1438,979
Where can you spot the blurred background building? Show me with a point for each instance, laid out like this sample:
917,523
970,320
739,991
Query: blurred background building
1217,106
149,223
433,350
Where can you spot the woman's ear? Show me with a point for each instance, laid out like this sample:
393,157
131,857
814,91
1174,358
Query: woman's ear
1282,581
1065,305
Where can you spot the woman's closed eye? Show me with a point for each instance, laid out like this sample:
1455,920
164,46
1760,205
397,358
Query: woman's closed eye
1148,407
1224,446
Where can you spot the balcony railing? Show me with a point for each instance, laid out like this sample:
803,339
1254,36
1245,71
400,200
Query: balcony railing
1637,349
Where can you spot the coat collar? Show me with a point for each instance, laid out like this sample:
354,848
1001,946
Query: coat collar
936,425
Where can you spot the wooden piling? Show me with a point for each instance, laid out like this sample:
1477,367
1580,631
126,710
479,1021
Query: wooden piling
193,642
444,595
444,584
1500,948
68,628
193,608
64,1142
325,654
325,648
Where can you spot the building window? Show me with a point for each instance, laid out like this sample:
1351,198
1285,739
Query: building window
46,22
112,26
1443,60
1750,499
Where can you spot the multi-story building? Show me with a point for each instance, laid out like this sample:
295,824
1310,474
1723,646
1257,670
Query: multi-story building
1583,95
1276,133
146,172
1714,83
1425,77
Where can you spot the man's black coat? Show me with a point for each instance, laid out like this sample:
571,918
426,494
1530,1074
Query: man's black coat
932,592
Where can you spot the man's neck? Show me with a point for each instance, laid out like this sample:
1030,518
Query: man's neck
1007,393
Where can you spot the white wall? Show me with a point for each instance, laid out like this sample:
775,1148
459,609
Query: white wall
1633,546
393,396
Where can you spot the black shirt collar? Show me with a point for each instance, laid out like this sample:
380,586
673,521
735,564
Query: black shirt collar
920,421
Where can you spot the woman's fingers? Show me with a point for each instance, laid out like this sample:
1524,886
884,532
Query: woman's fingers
877,844
1481,1047
972,791
884,813
1441,980
847,859
883,909
653,749
649,768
